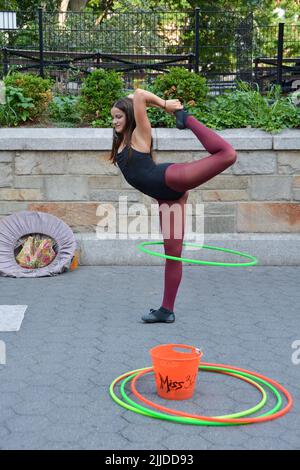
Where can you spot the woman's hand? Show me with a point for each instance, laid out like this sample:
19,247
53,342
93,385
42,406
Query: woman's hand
130,96
172,106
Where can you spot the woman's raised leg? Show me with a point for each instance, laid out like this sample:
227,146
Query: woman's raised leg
185,176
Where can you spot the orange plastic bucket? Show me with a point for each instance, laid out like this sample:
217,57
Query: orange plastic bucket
175,369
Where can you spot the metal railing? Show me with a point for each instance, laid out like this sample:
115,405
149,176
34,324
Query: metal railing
220,45
277,56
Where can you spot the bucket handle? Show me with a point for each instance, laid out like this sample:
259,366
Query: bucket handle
184,349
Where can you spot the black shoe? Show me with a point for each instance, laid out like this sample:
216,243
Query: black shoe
162,315
181,116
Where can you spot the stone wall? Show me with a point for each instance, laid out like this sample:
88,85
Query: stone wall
66,172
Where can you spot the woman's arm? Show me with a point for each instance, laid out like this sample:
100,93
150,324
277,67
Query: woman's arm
158,103
155,101
151,99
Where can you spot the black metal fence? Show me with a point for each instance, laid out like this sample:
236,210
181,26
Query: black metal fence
222,46
276,56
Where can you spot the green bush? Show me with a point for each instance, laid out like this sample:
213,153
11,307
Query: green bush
64,108
179,83
98,92
34,87
247,107
190,88
16,108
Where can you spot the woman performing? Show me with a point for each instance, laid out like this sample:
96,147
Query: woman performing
168,183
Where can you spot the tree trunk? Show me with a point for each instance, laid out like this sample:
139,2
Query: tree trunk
62,12
74,5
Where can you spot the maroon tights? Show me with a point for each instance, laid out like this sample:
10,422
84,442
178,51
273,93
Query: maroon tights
182,177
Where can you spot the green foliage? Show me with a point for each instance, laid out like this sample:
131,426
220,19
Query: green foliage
246,107
64,108
179,83
159,118
243,107
34,87
99,91
16,108
190,88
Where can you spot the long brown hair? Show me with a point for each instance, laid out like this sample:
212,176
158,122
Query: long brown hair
126,105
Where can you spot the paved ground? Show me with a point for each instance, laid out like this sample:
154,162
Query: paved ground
83,329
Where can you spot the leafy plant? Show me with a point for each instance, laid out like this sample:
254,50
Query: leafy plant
247,107
16,107
64,108
190,88
100,89
34,87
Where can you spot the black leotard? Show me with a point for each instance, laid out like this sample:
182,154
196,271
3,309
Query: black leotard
141,172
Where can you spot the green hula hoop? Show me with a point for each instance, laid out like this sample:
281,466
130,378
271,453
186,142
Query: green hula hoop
136,408
239,414
141,247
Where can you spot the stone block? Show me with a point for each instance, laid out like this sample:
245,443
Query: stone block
21,195
30,182
6,156
287,139
40,163
66,188
73,213
5,175
172,139
219,224
248,138
7,208
55,139
113,195
165,156
83,229
226,182
195,196
270,188
296,188
225,195
255,162
288,162
104,182
90,163
221,208
268,217
296,194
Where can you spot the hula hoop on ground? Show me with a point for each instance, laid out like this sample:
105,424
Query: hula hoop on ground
240,414
204,420
207,421
141,247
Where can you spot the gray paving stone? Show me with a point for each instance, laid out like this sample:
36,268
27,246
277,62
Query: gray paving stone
23,423
268,444
182,442
4,431
63,433
140,434
22,441
32,408
105,441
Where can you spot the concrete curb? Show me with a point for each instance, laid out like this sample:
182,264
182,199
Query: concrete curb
270,249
